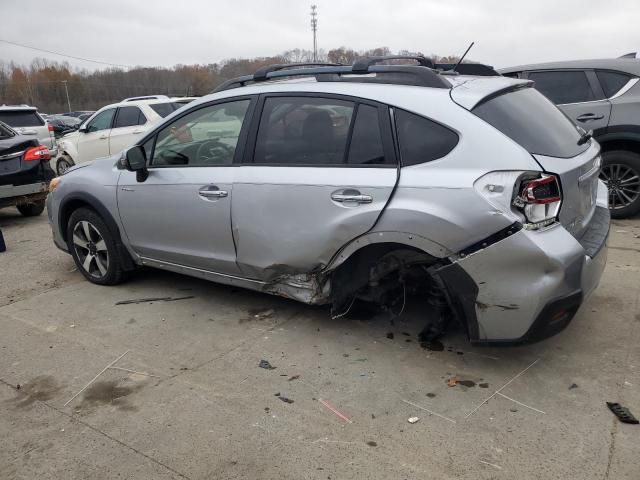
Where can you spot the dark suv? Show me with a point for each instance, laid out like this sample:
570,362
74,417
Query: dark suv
603,96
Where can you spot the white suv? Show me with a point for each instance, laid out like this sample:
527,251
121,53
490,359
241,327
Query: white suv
111,129
27,121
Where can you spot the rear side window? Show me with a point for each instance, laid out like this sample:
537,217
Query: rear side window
422,140
366,140
164,109
303,131
564,87
129,116
525,116
21,118
612,82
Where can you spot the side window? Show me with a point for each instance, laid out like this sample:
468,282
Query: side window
102,121
303,131
612,82
366,147
422,140
205,137
563,87
129,116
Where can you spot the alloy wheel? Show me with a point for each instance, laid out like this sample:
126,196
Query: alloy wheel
62,166
623,183
91,249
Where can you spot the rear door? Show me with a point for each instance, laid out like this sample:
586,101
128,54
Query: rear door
576,92
317,174
127,128
94,142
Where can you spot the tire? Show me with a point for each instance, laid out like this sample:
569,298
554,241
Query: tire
31,209
63,164
93,248
621,173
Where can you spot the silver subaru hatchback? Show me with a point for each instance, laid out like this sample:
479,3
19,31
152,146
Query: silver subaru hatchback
362,184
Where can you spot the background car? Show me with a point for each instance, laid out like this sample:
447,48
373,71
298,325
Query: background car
24,172
27,121
111,129
603,96
63,124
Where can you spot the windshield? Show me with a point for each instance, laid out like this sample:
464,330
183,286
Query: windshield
164,109
530,119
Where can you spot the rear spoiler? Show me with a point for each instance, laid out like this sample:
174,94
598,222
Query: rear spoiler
475,69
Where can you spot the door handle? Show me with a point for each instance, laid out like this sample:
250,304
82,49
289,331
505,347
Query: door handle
103,137
137,131
211,191
589,116
351,196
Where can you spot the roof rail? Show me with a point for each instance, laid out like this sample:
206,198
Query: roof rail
145,97
628,55
476,69
418,75
362,65
261,73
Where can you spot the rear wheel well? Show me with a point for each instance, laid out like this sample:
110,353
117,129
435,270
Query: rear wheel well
627,145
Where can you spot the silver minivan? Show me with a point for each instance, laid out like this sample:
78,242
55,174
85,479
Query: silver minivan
365,183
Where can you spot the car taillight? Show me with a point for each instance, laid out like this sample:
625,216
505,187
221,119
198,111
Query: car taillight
50,128
539,201
37,153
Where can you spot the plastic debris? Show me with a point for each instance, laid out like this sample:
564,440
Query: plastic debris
413,419
452,382
153,299
623,413
266,365
285,399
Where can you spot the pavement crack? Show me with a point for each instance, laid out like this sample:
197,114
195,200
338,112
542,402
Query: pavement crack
97,430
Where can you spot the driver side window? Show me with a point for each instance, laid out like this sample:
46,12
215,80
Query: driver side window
204,137
102,121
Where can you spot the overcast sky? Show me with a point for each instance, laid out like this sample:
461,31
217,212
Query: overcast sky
167,32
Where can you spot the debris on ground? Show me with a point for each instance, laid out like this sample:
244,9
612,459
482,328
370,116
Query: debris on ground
573,385
431,395
18,387
513,409
266,365
372,443
295,377
413,419
467,383
452,381
623,413
285,399
335,410
390,335
483,385
153,299
432,345
261,315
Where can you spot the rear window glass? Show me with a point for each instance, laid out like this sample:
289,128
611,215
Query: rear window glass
531,120
21,118
366,140
164,109
612,82
422,140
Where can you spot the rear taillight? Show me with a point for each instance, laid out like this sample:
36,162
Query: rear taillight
539,201
50,128
37,153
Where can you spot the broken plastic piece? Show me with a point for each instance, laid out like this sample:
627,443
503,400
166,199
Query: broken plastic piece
452,382
623,413
413,419
285,399
266,365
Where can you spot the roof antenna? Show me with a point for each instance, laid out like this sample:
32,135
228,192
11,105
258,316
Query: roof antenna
462,57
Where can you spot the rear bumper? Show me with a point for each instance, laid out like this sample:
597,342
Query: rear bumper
529,285
12,195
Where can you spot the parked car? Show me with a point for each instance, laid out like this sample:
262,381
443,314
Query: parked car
24,172
349,184
27,121
62,124
111,129
77,113
603,96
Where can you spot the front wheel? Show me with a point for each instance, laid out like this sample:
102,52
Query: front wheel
93,248
621,172
63,164
31,209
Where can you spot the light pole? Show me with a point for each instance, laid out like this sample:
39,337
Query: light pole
67,91
314,28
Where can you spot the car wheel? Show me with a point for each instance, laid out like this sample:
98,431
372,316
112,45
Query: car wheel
621,172
31,209
63,164
93,248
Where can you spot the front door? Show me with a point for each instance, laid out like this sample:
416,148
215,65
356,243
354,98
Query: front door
94,142
127,128
321,172
181,214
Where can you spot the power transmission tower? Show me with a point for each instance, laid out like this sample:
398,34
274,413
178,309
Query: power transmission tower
314,28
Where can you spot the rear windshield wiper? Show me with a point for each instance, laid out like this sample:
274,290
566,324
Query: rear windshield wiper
585,137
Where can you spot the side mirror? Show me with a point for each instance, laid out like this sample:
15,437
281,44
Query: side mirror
83,129
135,160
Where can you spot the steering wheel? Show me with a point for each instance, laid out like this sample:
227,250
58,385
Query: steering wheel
214,151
